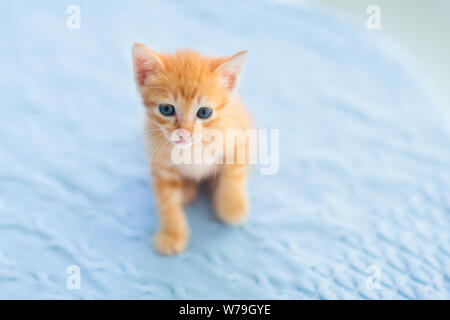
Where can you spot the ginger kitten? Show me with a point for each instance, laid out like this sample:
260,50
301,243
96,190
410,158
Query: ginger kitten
187,96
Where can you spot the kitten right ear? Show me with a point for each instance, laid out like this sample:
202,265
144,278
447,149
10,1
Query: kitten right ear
146,63
230,70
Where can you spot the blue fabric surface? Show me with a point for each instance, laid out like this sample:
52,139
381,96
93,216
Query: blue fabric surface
364,174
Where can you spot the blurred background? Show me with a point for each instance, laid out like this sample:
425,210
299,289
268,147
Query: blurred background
360,208
419,27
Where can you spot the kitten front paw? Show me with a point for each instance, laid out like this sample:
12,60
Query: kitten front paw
170,243
231,206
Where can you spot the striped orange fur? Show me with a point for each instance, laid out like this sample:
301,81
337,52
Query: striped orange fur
188,81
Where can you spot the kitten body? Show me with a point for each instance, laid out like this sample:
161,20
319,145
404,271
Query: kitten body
189,100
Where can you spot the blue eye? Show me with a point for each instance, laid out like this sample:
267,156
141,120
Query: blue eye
204,113
166,109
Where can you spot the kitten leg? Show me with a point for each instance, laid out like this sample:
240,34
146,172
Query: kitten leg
190,191
174,231
230,196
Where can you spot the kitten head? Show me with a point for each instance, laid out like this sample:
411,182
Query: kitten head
185,91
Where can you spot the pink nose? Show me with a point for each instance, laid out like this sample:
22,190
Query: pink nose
183,136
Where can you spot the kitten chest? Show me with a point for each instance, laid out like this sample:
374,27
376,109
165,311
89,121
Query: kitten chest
196,172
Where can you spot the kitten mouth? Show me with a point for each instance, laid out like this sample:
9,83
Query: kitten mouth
182,142
185,142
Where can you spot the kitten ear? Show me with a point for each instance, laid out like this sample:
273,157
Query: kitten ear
230,70
146,63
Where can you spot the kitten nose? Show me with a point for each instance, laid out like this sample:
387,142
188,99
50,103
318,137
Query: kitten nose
182,136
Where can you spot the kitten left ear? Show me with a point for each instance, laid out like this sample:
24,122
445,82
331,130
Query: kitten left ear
146,63
230,70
